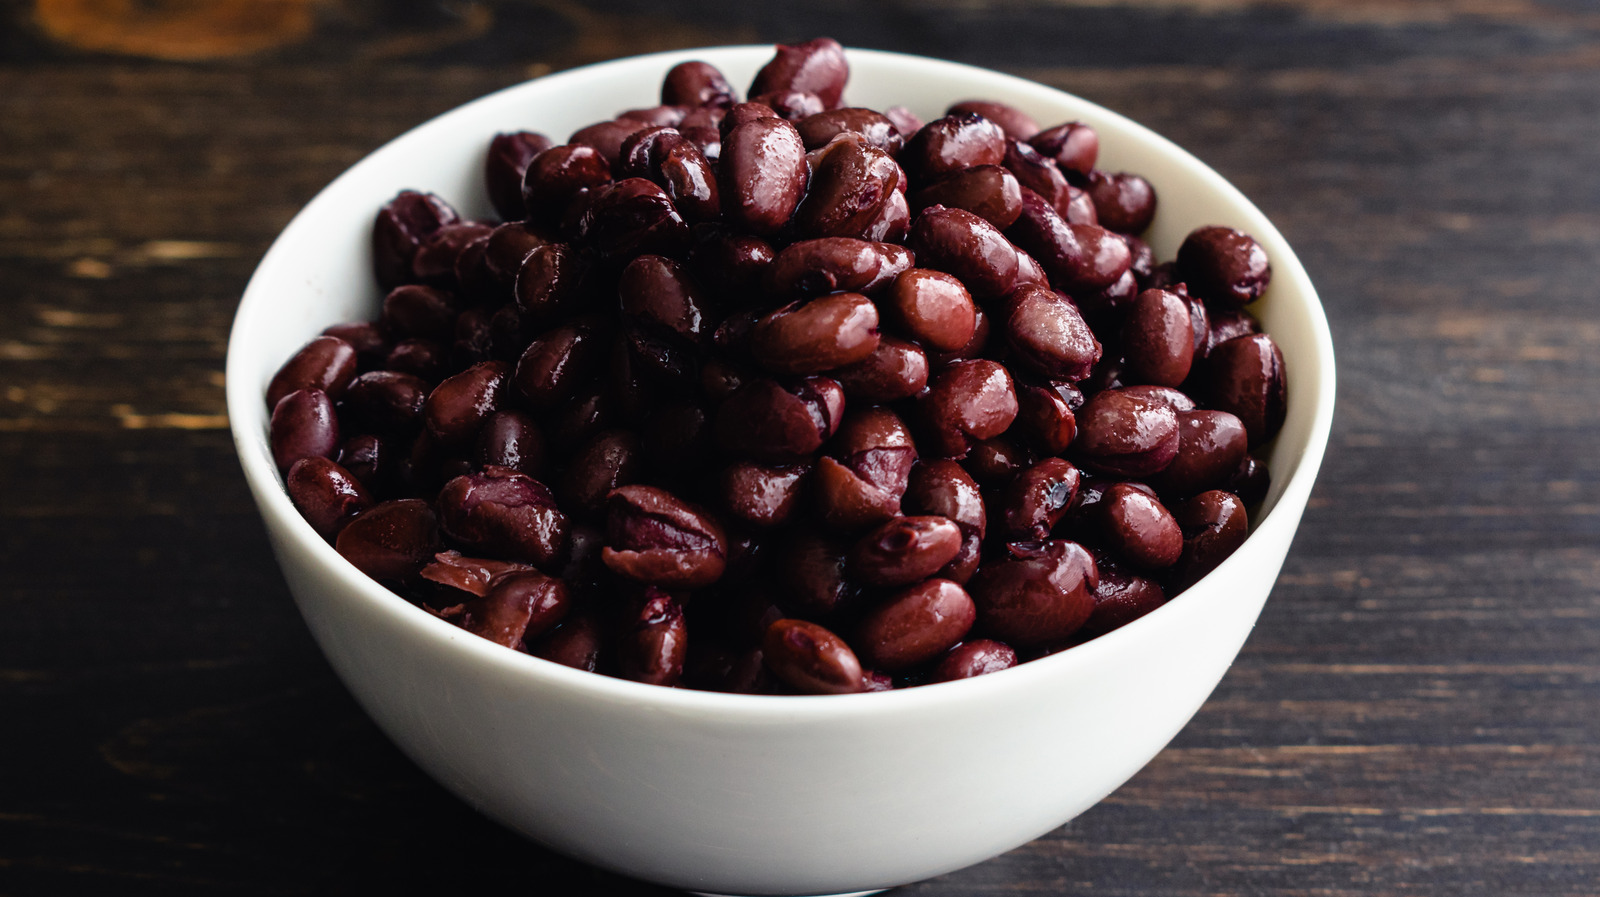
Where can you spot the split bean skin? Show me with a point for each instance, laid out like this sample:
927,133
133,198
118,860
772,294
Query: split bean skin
761,392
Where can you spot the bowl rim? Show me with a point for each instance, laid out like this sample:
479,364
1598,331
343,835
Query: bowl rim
281,517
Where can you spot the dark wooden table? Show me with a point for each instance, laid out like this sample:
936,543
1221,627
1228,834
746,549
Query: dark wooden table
1418,711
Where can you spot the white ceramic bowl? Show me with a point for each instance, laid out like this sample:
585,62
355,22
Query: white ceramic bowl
745,794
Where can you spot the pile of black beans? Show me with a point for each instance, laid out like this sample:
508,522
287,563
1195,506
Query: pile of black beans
789,397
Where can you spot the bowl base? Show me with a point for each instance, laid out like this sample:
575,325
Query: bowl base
850,894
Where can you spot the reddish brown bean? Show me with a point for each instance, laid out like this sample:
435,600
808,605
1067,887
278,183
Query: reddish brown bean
552,280
370,343
1211,447
505,514
419,311
1214,525
996,460
1074,146
1126,435
817,130
943,488
607,137
675,164
1040,592
517,606
579,642
556,364
861,483
424,358
960,243
505,167
895,370
949,144
608,461
1250,481
966,400
327,363
762,174
472,575
851,180
1039,174
438,254
304,425
1121,597
1123,202
835,264
1048,334
915,626
790,105
1158,339
659,539
1017,124
816,66
326,495
1225,267
810,574
762,495
1036,499
1078,257
1137,528
654,640
632,217
458,406
1244,377
904,550
697,83
386,402
1045,415
974,658
1223,325
402,224
731,266
392,541
988,191
818,335
931,307
778,423
811,659
556,175
1166,395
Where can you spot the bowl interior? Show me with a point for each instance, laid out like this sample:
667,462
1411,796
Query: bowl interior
318,273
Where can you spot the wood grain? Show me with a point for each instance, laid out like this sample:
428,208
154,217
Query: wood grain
1414,714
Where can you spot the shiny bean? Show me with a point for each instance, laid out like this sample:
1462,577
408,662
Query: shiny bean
419,311
697,84
370,343
511,439
678,166
915,625
556,175
1045,414
327,363
816,66
860,482
1121,597
895,370
904,550
1244,377
778,423
1223,266
949,144
666,115
508,247
424,358
1250,481
556,364
552,280
386,402
810,574
372,460
1078,257
790,105
893,221
663,311
1211,447
1047,333
632,217
1138,529
474,576
996,460
304,425
518,606
1226,324
974,658
817,130
818,335
851,180
610,460
579,642
1017,124
505,167
966,400
326,495
1074,146
391,542
1038,593
988,191
1123,202
811,659
438,253
931,307
459,405
943,488
762,174
1077,207
402,224
658,539
835,264
1126,435
1039,174
1036,499
960,243
1166,395
1158,339
503,513
1214,525
762,495
607,137
731,266
654,640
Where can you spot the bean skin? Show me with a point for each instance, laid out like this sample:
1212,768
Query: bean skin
811,659
697,84
503,513
931,307
304,425
915,625
851,180
973,658
517,606
960,243
988,191
1017,124
1214,525
1040,592
762,174
1036,499
895,370
904,550
1211,447
1158,338
816,66
677,166
1045,415
967,400
817,130
392,541
1244,376
659,539
824,333
632,217
1048,334
327,363
326,495
949,144
1126,435
778,423
762,495
860,483
654,640
943,488
1138,529
1223,266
